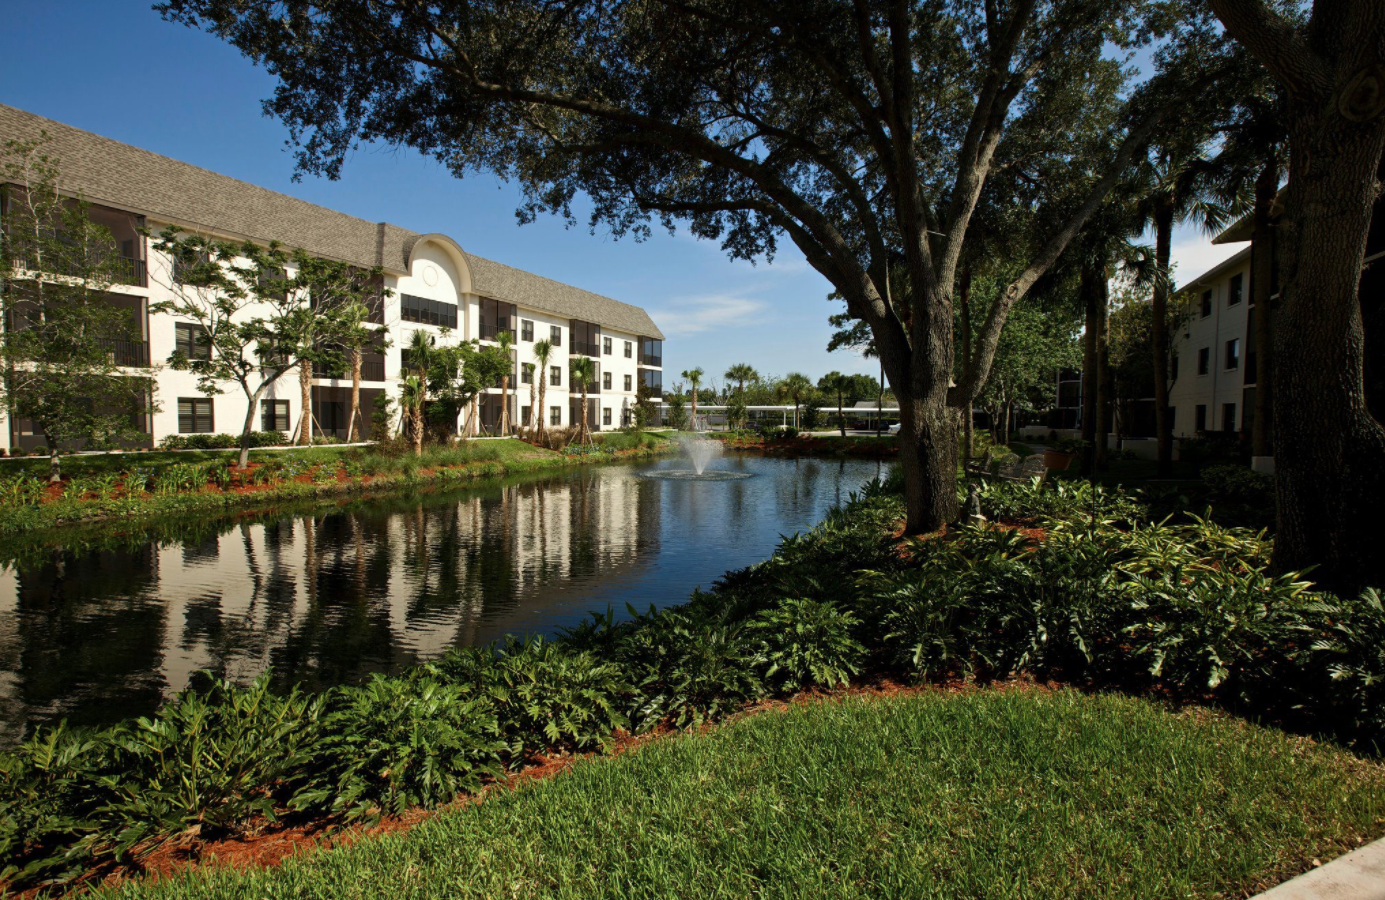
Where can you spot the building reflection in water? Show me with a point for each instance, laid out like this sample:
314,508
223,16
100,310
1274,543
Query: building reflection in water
329,598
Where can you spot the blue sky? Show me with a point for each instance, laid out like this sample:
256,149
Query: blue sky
116,68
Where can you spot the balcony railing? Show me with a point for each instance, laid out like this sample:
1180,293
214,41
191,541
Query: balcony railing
371,370
134,354
492,332
586,348
647,360
123,270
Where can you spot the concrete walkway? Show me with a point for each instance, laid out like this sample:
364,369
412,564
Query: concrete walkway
1360,875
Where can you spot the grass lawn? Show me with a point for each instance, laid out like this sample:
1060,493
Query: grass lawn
1011,793
78,465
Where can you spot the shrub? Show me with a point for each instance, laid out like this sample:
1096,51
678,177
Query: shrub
393,743
1239,485
805,643
547,695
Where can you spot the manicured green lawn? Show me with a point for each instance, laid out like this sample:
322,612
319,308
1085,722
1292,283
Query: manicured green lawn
1019,793
79,465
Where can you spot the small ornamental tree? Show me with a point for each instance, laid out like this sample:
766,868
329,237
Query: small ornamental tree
795,387
250,324
583,371
336,327
456,376
835,384
62,371
694,377
646,411
543,354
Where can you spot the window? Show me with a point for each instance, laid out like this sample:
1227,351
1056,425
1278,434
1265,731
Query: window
427,312
1206,304
524,414
1200,414
586,337
1237,289
274,415
555,376
606,381
606,416
1204,360
1228,417
651,352
1173,367
182,267
555,335
526,375
629,349
191,340
497,318
555,415
1233,354
195,415
526,329
273,283
605,346
628,379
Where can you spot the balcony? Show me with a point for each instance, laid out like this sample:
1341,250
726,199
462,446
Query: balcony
123,270
586,348
134,354
491,332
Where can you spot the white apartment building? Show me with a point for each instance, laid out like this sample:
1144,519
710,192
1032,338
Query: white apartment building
1212,353
433,285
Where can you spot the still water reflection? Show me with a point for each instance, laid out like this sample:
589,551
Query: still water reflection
95,636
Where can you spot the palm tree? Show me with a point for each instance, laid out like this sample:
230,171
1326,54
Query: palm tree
412,393
505,340
694,377
741,373
839,384
1180,184
529,369
796,386
583,371
543,352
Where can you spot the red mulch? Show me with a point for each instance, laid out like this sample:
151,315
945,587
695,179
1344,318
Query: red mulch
272,843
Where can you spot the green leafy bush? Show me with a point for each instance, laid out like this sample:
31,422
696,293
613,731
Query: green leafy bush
394,743
547,695
807,643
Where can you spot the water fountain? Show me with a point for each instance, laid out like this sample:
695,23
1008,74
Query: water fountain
700,452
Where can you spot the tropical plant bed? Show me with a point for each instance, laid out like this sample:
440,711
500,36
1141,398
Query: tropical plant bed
1186,612
812,445
978,793
151,485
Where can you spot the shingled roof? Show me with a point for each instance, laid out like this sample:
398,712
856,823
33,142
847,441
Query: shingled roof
110,173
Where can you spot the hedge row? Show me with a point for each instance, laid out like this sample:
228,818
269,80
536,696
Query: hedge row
1088,592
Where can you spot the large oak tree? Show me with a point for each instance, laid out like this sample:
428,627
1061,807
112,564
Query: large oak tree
861,130
1329,442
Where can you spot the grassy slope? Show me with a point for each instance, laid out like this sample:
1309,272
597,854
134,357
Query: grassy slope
987,794
470,460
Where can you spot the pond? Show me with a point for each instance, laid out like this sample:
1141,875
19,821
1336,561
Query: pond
326,596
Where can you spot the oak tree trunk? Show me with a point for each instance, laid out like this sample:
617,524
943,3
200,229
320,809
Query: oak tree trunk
1261,285
1329,449
353,432
1159,335
1103,372
305,384
968,429
1089,368
928,456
